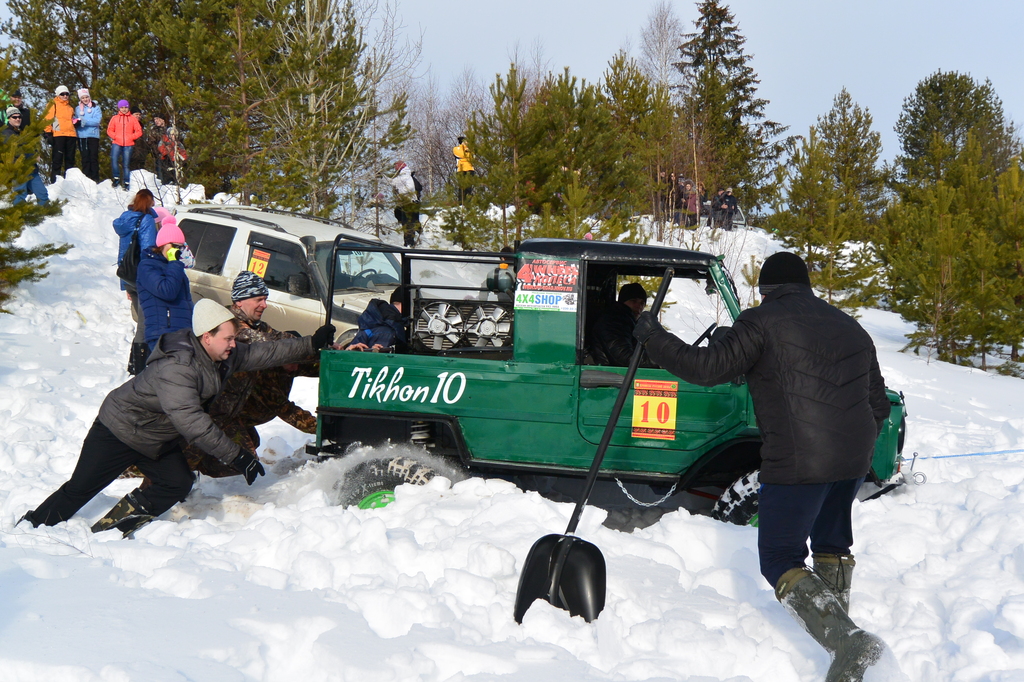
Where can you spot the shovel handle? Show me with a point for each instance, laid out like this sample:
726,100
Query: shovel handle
613,419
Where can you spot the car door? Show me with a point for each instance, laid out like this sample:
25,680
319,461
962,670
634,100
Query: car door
667,423
293,303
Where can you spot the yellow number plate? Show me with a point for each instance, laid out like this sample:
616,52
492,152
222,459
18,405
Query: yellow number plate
654,409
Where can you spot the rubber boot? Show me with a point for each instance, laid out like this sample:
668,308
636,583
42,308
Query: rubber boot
810,601
836,571
128,515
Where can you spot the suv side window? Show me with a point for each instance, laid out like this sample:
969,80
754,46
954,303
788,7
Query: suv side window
281,264
209,243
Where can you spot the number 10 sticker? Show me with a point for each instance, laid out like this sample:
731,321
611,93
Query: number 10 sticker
654,409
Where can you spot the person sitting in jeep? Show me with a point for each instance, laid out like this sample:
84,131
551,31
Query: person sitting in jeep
613,341
381,326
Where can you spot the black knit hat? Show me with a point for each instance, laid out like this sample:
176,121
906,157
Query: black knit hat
783,268
630,291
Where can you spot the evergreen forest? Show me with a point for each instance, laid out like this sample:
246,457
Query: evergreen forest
306,105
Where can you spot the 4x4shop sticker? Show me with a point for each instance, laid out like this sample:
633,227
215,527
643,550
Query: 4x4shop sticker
449,387
547,284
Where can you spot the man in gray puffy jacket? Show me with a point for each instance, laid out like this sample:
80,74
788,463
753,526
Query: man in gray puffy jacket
147,421
820,402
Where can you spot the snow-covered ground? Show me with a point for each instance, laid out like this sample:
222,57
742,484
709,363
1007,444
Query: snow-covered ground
274,582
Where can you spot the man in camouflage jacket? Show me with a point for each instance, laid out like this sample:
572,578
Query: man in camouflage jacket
253,398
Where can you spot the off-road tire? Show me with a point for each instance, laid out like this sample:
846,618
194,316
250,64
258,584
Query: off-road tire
739,503
372,478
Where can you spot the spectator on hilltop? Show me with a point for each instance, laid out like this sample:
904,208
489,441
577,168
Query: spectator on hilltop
122,130
35,183
26,113
61,132
407,202
463,169
89,119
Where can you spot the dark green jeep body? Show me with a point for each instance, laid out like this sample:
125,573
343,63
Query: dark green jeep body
499,375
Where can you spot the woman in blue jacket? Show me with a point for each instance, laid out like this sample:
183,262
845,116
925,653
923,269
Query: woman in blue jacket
140,217
88,118
164,292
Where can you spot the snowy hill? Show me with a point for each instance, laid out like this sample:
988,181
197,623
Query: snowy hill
276,583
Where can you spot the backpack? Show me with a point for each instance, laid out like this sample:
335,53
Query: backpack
416,183
128,267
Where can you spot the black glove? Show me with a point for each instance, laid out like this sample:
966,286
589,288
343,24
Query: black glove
323,337
647,325
247,464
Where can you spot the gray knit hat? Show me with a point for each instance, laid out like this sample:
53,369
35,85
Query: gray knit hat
248,285
207,315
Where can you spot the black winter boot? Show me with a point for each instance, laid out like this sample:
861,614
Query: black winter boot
836,571
128,515
810,601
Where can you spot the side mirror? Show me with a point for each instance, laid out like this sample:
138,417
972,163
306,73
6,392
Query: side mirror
501,280
298,284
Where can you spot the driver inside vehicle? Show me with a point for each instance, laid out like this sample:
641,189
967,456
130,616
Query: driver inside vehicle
613,341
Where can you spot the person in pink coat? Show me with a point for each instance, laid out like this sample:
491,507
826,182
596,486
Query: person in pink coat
122,130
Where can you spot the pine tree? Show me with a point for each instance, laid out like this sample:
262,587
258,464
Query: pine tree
644,118
500,139
59,42
928,278
214,50
854,150
17,159
735,143
577,143
817,216
936,120
327,128
1008,232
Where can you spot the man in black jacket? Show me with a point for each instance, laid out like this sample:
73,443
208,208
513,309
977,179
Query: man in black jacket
613,341
820,402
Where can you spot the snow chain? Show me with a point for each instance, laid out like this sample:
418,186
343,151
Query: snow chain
646,504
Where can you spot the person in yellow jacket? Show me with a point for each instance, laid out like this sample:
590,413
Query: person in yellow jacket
61,132
463,169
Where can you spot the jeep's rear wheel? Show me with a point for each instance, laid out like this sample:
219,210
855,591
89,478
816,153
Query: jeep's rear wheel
739,503
371,484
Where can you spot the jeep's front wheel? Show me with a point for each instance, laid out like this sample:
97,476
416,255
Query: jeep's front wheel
371,484
739,503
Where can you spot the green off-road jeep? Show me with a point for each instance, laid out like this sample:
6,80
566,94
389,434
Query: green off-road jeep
499,378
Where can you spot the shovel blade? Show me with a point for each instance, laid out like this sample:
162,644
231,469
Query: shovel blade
578,586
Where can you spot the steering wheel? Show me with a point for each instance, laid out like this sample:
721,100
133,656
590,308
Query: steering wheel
706,334
367,270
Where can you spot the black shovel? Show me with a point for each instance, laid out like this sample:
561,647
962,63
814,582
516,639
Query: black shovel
562,569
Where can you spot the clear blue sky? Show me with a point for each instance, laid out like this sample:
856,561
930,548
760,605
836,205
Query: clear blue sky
804,51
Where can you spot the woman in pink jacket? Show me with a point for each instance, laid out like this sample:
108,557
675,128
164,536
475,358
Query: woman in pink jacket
122,130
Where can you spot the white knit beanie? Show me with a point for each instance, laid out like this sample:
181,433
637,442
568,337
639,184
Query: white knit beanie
207,315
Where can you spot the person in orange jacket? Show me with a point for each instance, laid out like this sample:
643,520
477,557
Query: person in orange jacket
61,132
122,130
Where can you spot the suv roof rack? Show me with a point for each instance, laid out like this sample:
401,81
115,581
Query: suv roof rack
319,219
234,216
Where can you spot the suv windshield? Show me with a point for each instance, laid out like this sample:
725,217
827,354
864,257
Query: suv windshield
366,270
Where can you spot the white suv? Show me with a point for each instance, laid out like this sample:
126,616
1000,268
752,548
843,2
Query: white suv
291,252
